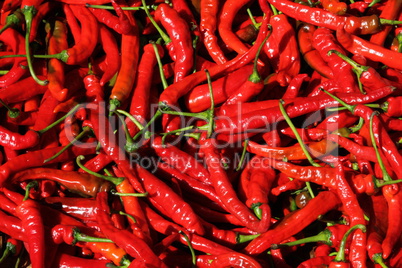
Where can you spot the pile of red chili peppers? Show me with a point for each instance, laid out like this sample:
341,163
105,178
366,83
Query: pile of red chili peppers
201,133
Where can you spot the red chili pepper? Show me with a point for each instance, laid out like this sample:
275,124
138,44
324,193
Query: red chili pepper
324,41
208,25
66,260
140,107
370,51
224,189
179,33
199,99
57,42
295,222
15,41
200,243
111,49
31,220
393,196
322,18
72,23
284,60
132,207
171,94
261,118
123,238
159,193
82,208
228,13
129,64
356,215
12,226
316,262
334,6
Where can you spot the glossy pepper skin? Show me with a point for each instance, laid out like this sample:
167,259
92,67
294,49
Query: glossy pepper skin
322,18
31,220
322,203
123,238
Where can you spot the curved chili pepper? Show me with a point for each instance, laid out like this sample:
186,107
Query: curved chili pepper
85,184
140,105
228,13
390,12
123,238
282,49
208,25
180,160
66,260
72,23
132,206
258,180
370,51
159,193
36,158
200,243
15,41
261,118
331,236
355,213
179,33
57,42
129,64
31,221
171,94
294,152
295,222
309,53
393,196
12,226
17,141
323,42
112,59
322,18
225,190
199,99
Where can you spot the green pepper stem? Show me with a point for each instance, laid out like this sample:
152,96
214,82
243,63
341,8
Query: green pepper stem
79,237
28,187
210,111
128,216
61,119
132,118
29,12
323,237
10,249
157,114
243,154
390,22
399,39
12,112
351,108
129,194
257,210
358,126
255,76
255,23
160,67
340,256
83,133
245,238
13,19
378,259
114,180
164,36
193,257
358,69
385,175
130,145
